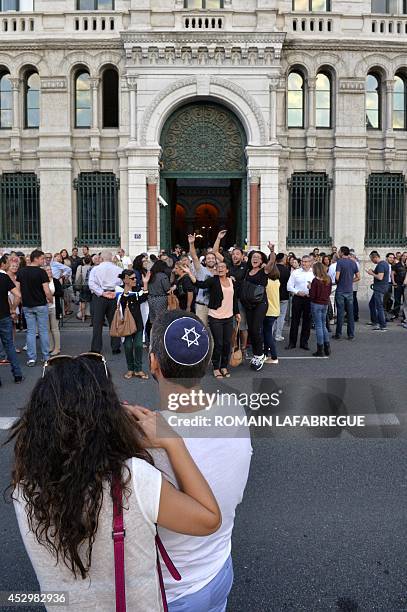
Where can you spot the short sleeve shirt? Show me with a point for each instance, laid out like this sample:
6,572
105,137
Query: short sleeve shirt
6,285
381,285
348,268
31,279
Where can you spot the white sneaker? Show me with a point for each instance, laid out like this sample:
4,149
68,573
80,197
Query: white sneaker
25,348
31,363
279,338
270,360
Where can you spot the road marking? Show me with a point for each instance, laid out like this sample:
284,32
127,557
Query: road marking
374,420
305,357
6,422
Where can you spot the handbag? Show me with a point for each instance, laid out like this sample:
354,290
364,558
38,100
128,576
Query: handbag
122,326
118,535
236,357
173,303
251,294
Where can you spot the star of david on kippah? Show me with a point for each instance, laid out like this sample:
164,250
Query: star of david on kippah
187,338
186,341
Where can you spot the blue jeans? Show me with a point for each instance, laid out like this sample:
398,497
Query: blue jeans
318,312
377,315
6,337
37,317
269,340
344,301
212,598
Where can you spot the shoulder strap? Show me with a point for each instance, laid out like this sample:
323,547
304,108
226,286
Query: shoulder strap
118,535
170,566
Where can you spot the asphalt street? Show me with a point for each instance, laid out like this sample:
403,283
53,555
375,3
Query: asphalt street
323,522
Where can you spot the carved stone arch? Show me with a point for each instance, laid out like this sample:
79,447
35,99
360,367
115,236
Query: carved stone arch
332,61
206,200
112,59
34,60
375,60
76,58
303,59
219,90
399,65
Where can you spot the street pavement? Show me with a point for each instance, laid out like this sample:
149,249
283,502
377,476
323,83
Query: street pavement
322,525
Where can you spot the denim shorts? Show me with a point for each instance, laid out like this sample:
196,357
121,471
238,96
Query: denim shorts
212,598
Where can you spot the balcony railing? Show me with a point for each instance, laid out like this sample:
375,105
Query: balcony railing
62,25
314,25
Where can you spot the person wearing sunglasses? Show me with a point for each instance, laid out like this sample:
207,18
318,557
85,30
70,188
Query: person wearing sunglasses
133,345
73,439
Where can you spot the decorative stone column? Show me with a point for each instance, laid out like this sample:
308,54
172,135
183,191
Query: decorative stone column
16,86
132,86
94,83
274,82
254,182
389,89
152,234
311,83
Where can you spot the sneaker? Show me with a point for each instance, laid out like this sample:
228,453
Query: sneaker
271,360
371,324
25,348
31,363
4,362
18,379
380,329
257,362
279,338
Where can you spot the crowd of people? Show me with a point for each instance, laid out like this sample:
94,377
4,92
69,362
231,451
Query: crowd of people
89,470
229,289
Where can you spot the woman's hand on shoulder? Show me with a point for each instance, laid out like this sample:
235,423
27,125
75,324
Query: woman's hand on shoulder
156,431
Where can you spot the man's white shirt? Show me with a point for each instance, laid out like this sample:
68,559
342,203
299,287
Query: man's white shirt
299,280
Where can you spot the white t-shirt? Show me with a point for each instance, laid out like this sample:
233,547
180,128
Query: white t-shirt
224,462
332,272
97,592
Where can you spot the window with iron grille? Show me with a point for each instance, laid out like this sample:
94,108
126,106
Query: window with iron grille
20,210
308,212
97,206
386,210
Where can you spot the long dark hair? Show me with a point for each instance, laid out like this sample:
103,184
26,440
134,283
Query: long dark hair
158,266
138,264
249,261
73,435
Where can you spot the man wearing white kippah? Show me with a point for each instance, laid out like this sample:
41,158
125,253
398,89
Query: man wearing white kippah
180,353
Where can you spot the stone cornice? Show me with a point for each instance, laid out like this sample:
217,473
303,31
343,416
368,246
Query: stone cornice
204,38
56,44
361,45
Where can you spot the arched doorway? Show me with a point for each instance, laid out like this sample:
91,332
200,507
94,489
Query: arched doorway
203,161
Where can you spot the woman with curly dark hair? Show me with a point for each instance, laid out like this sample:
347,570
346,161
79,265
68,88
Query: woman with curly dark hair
73,439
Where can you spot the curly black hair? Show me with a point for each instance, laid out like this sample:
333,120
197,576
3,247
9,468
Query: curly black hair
73,436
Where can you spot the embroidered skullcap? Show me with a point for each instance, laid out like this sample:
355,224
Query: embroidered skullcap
186,341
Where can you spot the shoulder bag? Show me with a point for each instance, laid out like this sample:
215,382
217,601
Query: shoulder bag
173,303
118,535
236,357
122,326
250,294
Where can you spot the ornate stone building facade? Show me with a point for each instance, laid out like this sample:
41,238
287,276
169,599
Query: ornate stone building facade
283,120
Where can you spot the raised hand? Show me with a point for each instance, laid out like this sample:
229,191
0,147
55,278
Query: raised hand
222,234
191,238
270,246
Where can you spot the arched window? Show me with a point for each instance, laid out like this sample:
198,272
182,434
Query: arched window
32,100
295,100
400,103
110,98
323,101
83,106
6,101
373,102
